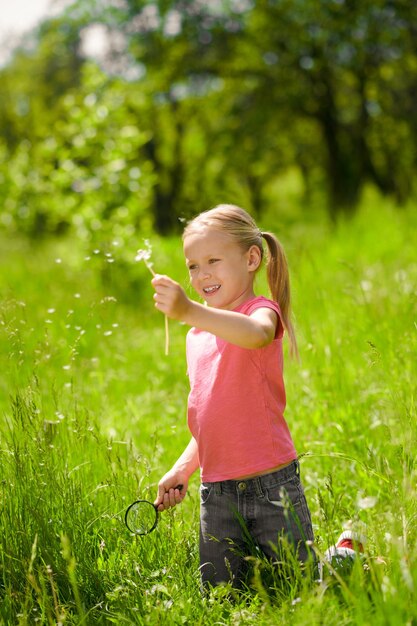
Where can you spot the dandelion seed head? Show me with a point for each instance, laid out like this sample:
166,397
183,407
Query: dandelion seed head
66,367
107,333
367,503
58,261
143,255
51,310
77,295
366,285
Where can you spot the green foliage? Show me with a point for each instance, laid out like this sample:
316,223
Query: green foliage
189,104
93,413
87,174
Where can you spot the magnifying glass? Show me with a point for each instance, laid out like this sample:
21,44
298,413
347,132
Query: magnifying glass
142,516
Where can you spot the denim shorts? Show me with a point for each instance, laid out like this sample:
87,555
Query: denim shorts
255,516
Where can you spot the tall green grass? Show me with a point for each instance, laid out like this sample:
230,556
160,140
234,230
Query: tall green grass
92,414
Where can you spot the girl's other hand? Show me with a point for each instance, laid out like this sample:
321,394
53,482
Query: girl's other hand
169,495
170,297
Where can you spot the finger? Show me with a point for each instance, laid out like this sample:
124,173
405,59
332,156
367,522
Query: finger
162,489
162,306
161,291
160,280
171,497
166,502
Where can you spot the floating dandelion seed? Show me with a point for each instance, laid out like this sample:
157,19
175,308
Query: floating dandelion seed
108,299
145,256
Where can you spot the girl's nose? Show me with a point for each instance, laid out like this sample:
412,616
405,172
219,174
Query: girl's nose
205,272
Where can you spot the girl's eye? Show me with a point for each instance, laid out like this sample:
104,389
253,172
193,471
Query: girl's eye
192,267
211,261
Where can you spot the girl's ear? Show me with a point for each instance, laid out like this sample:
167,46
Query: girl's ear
254,258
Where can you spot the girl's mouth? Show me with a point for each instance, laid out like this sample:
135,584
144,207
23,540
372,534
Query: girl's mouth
210,290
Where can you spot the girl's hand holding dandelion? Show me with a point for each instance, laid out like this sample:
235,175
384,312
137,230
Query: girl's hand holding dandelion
170,298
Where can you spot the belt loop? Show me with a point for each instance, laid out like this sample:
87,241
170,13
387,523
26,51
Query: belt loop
258,487
297,467
218,488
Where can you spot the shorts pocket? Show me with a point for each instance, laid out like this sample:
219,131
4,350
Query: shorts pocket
205,491
286,494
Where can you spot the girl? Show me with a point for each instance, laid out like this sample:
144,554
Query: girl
240,441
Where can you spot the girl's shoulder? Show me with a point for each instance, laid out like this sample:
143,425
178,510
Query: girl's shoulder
258,302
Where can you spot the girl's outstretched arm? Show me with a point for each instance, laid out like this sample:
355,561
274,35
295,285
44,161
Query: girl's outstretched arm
168,493
246,331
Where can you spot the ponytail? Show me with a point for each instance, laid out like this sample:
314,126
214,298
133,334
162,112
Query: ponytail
279,285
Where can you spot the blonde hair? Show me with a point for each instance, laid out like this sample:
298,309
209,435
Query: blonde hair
243,229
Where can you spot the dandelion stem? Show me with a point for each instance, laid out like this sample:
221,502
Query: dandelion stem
166,336
149,266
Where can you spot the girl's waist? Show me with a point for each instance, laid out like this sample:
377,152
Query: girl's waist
272,470
274,476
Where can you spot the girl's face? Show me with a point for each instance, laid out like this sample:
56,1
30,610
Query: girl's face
220,271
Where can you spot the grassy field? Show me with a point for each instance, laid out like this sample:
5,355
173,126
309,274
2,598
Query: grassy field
92,414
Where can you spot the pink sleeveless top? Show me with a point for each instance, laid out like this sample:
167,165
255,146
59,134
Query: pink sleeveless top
237,401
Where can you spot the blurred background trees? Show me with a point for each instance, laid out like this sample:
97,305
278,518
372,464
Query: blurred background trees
126,115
